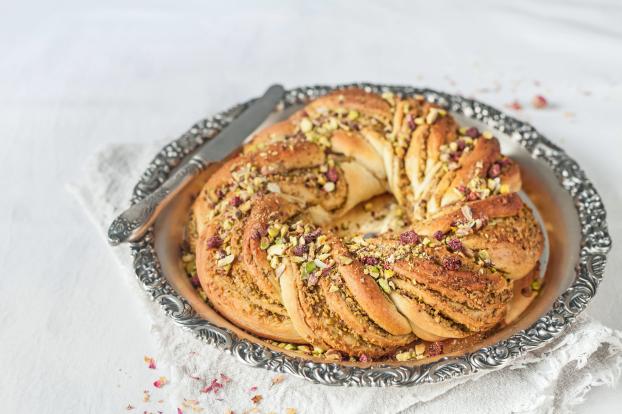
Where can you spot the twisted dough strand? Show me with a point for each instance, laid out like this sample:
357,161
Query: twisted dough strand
272,256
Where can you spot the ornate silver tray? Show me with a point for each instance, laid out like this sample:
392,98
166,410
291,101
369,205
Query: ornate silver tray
572,211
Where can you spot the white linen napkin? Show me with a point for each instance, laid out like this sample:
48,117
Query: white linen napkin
553,379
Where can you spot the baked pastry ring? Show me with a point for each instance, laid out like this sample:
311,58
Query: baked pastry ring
275,254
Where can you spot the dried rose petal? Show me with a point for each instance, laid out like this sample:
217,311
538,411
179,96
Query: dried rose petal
253,388
195,283
300,250
409,237
235,201
472,196
472,132
539,102
452,263
438,235
309,237
526,291
515,105
494,170
369,260
455,156
461,145
214,242
411,122
150,362
462,189
225,378
454,245
435,349
214,386
179,411
160,382
363,358
332,175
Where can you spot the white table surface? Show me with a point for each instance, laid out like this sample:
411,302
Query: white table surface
76,76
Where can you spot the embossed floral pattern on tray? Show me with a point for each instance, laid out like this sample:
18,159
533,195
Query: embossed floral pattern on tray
595,244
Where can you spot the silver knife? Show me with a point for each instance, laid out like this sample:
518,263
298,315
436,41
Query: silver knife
133,222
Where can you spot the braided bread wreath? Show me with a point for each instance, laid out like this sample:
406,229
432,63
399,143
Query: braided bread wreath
364,225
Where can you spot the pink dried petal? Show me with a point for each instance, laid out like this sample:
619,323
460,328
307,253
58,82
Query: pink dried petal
369,260
225,378
160,382
309,237
435,349
214,386
214,242
253,388
472,132
515,105
235,201
332,175
494,170
454,245
539,102
452,263
301,249
196,283
150,362
409,237
363,358
438,235
179,411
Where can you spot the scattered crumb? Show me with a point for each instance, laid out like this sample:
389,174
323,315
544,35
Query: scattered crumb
278,379
256,399
291,411
146,396
192,405
569,114
129,407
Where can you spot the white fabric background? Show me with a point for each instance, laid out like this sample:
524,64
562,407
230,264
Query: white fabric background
75,76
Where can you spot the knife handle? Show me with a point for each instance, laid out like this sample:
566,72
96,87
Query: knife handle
134,222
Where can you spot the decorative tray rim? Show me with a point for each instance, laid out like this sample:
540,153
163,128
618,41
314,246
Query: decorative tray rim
594,247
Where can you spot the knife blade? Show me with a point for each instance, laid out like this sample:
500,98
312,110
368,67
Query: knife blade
133,222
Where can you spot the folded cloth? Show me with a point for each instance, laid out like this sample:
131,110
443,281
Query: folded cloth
553,379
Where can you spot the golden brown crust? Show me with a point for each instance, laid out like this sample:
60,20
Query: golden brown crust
279,228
